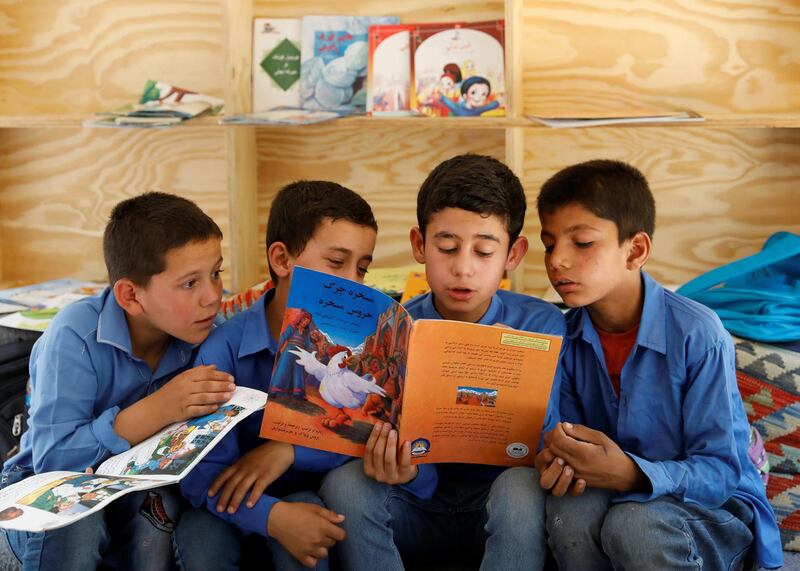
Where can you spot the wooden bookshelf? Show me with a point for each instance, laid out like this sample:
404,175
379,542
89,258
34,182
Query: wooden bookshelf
722,186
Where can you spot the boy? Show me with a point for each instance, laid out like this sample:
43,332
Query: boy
653,420
470,212
326,227
113,369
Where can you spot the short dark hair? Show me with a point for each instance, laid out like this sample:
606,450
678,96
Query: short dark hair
141,230
476,183
300,207
608,189
475,79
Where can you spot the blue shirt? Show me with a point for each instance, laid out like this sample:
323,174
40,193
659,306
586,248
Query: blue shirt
245,348
679,414
521,312
83,372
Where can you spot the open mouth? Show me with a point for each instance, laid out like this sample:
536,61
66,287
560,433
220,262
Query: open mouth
206,321
461,293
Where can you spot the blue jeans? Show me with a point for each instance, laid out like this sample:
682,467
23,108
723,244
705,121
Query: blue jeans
133,532
499,523
205,541
589,532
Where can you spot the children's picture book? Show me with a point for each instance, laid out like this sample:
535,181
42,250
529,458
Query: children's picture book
56,499
160,105
46,294
458,69
334,55
276,63
389,70
349,356
417,284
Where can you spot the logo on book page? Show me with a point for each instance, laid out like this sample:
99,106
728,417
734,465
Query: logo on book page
282,64
516,450
420,447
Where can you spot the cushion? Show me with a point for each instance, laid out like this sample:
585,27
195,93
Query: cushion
769,382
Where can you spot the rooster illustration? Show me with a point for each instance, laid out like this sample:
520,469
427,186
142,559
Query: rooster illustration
338,385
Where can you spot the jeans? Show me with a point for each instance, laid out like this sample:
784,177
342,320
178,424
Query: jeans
205,541
499,523
589,532
133,532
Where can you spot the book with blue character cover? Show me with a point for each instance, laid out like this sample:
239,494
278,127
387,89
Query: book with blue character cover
334,54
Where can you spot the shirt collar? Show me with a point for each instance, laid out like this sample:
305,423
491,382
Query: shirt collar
255,335
652,325
492,315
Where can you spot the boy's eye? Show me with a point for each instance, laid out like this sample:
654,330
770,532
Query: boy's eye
336,263
583,244
216,274
483,254
190,284
548,249
447,250
362,271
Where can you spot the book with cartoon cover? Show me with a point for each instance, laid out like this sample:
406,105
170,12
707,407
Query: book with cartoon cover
458,69
56,499
389,70
348,356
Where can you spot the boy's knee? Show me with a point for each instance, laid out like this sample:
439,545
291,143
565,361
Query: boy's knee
518,487
348,487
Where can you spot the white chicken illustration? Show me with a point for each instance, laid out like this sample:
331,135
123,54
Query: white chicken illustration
338,385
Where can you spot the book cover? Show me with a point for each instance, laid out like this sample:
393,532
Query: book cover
389,70
334,53
349,356
458,69
276,63
56,499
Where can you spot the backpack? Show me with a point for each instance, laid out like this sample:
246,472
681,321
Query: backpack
757,297
14,356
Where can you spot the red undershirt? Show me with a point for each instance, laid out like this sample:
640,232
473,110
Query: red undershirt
616,347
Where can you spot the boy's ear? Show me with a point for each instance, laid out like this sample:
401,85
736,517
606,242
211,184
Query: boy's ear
516,253
417,244
279,259
126,293
638,250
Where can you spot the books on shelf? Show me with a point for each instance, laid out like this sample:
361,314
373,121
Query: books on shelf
334,54
33,307
578,122
56,499
160,105
458,69
276,63
349,356
283,116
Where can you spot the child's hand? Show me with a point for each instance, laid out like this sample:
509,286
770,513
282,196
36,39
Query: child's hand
254,471
305,530
380,456
555,475
596,458
194,393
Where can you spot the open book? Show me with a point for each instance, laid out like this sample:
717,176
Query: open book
56,499
348,356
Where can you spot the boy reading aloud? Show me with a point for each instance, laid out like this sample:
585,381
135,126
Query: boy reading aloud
113,369
326,227
470,211
653,423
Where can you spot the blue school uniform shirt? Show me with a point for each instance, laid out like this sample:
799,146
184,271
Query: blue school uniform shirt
245,348
515,310
679,414
83,372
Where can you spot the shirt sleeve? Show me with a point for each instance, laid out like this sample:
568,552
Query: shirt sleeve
67,432
424,485
312,460
711,470
569,404
195,485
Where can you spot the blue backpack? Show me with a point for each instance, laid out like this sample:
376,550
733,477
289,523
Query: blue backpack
757,297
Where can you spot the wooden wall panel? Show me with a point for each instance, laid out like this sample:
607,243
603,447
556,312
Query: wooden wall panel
584,58
408,11
74,57
57,188
719,193
386,164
